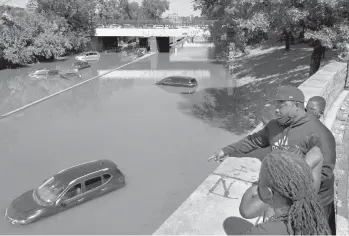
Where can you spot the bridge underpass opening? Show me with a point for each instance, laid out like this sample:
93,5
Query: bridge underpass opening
110,42
163,44
155,44
105,42
143,42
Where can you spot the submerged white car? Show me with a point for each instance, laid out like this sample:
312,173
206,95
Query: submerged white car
44,73
88,56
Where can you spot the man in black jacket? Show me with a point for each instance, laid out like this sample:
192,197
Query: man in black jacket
316,107
296,131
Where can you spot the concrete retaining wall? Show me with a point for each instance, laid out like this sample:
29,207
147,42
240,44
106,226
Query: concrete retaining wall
217,199
340,130
327,82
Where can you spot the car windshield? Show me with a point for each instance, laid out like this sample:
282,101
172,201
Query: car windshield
49,191
77,64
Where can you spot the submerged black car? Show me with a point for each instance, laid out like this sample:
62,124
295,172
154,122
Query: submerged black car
183,81
70,75
179,90
68,188
80,65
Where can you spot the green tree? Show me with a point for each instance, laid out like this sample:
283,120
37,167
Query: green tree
323,23
286,18
26,37
134,10
153,9
109,11
326,27
80,18
245,21
115,10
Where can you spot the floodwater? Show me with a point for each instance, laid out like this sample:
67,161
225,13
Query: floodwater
159,137
18,89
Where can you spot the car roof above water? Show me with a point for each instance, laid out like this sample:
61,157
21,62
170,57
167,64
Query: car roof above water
77,171
180,77
94,52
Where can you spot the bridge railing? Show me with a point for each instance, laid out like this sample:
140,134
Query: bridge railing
150,23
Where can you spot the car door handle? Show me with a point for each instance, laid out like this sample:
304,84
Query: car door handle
103,189
81,199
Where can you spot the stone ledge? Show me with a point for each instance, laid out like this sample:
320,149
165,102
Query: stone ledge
340,130
215,200
332,79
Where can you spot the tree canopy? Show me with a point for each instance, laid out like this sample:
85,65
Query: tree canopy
24,37
153,9
321,23
48,29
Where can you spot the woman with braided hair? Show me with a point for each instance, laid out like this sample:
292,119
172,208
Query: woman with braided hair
286,184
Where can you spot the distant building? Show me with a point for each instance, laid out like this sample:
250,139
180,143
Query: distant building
174,18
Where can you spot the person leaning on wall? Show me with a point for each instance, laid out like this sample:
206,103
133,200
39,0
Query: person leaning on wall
285,184
316,107
296,130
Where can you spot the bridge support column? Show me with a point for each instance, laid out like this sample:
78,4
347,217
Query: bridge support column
153,44
192,39
96,44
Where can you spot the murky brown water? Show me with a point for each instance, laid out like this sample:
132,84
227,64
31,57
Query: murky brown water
18,89
159,138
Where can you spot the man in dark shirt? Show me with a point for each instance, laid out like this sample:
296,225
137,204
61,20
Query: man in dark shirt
316,107
296,131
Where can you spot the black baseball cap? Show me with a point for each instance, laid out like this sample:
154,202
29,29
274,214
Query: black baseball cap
289,93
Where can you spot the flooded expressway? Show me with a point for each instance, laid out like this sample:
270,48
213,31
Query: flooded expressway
159,137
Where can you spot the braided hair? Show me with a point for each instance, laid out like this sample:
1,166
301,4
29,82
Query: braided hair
289,175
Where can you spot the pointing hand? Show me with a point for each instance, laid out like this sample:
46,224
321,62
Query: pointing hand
218,156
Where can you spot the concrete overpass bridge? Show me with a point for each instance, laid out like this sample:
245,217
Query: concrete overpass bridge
157,39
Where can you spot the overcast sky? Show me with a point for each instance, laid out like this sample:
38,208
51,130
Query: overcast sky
182,7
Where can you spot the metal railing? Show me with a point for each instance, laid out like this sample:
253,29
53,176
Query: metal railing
151,23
